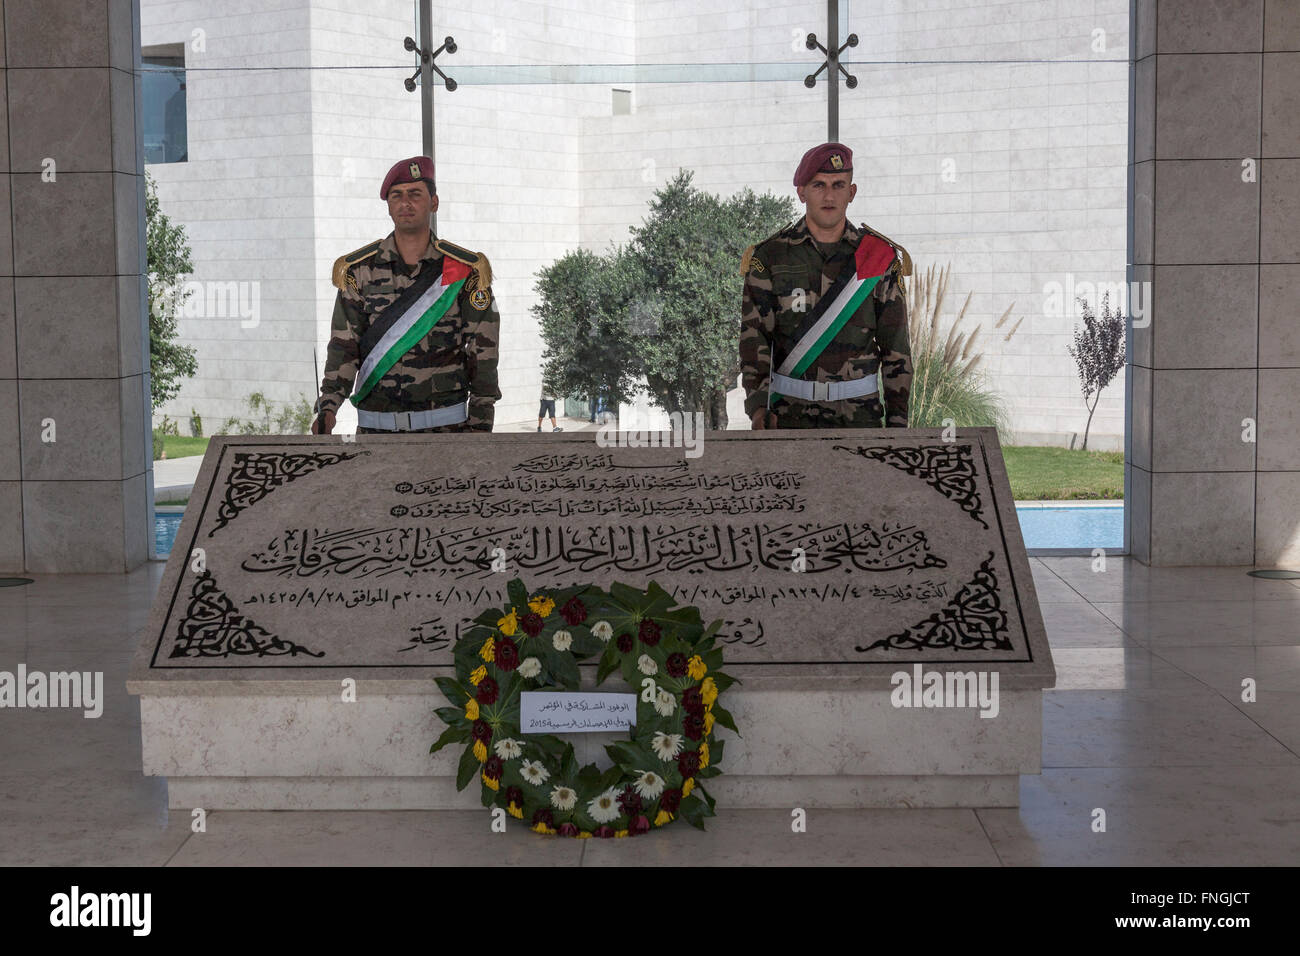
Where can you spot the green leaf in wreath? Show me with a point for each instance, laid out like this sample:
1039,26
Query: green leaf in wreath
488,796
569,763
518,594
453,716
451,735
453,691
608,662
708,798
725,719
628,597
693,810
468,767
722,681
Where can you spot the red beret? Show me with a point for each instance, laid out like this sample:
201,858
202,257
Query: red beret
826,158
408,171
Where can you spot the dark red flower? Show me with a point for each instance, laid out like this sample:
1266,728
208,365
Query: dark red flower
624,642
492,769
688,763
604,832
693,724
676,665
481,731
568,829
543,815
532,623
639,826
693,701
670,800
574,611
516,796
629,801
649,633
507,654
487,691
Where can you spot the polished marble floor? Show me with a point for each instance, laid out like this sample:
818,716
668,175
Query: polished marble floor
1146,722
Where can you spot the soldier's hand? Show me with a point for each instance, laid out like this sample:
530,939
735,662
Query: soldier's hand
327,418
762,418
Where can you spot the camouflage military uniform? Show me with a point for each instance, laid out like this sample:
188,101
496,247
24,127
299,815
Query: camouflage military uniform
784,278
456,360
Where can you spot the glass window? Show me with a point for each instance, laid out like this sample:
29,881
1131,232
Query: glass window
163,87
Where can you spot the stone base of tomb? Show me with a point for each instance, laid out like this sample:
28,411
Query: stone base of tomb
828,742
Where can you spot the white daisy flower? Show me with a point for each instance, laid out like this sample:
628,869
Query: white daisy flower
665,703
646,665
649,784
534,772
666,746
604,808
530,667
508,749
561,640
563,798
603,630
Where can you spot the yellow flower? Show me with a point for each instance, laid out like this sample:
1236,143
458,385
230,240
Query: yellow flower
491,784
664,817
542,605
471,709
620,833
516,812
477,675
480,751
695,667
543,828
488,651
709,691
508,624
687,787
704,755
708,722
584,835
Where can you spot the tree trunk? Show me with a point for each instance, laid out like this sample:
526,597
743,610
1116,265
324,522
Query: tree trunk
1089,423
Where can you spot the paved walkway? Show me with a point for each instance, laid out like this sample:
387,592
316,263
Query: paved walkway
1146,720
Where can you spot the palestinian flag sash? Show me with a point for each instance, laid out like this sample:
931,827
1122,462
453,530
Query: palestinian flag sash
819,328
406,321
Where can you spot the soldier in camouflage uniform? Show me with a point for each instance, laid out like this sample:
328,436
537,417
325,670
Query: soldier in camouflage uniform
786,277
446,381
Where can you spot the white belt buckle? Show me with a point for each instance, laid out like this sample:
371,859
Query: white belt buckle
402,421
821,391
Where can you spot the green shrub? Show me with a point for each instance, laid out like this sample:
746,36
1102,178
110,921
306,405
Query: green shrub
946,380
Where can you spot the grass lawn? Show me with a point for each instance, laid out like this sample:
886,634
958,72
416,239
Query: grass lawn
1059,473
183,446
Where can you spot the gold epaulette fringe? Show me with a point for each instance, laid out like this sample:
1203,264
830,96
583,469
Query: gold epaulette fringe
475,260
339,274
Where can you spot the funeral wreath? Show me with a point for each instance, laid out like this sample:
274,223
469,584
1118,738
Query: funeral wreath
665,653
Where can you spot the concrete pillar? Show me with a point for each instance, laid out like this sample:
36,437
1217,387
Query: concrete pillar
1216,230
73,333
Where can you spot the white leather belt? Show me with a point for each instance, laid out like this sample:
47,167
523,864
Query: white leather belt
413,421
822,391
